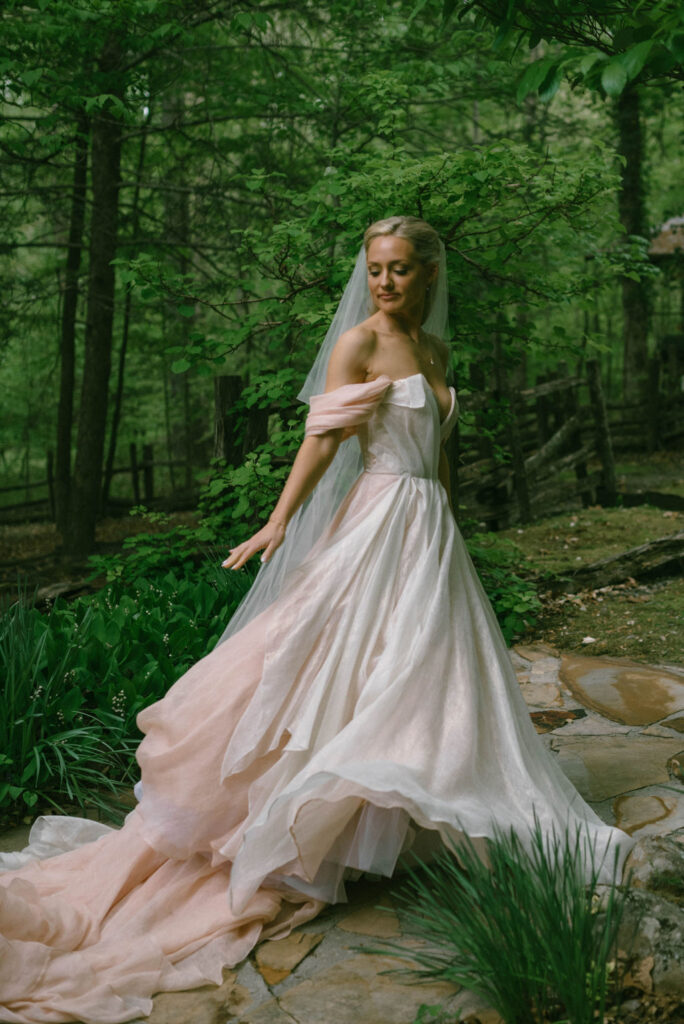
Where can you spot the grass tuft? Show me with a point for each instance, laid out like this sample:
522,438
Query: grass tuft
531,930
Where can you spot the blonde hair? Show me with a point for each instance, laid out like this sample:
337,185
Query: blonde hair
419,233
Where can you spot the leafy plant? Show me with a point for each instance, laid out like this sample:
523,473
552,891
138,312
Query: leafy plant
54,748
525,926
513,597
74,681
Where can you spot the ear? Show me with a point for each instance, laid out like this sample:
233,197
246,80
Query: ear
432,269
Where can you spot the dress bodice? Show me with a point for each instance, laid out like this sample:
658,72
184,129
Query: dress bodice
397,423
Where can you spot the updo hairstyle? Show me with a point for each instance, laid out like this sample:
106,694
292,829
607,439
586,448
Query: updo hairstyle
419,233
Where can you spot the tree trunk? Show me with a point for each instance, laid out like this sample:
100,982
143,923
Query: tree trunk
125,330
67,346
106,160
176,327
635,294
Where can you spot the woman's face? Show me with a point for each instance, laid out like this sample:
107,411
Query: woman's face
397,280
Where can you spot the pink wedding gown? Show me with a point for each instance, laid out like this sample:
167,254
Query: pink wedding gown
371,708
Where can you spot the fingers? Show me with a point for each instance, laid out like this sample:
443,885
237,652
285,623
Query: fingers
241,554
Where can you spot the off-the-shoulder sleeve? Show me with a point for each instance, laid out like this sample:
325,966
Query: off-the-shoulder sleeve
346,407
450,421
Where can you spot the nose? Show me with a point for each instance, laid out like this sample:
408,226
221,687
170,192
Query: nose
386,280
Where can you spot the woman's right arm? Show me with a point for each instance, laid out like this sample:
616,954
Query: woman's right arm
347,365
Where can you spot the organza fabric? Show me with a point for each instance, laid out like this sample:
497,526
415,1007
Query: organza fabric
370,711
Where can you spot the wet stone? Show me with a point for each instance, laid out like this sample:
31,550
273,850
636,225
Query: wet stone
622,690
613,765
635,811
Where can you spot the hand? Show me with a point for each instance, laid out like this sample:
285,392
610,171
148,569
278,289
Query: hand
269,537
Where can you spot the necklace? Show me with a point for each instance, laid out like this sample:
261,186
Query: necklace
416,341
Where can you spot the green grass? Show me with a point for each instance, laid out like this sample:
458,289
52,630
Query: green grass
640,621
528,931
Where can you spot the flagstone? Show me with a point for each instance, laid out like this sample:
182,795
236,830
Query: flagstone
614,764
380,922
622,690
636,811
276,958
353,992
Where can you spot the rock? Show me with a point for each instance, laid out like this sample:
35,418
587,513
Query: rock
612,765
535,652
377,921
592,725
675,767
541,694
210,1004
634,811
676,723
654,855
355,991
622,690
640,974
276,958
652,929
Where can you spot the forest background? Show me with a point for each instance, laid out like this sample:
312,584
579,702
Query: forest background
183,189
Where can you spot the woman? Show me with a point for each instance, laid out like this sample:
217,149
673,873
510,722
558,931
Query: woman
364,704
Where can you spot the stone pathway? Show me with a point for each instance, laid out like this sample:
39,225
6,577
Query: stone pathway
617,728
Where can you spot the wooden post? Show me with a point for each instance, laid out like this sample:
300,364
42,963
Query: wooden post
653,400
570,402
604,443
256,429
541,410
148,472
51,483
227,444
134,473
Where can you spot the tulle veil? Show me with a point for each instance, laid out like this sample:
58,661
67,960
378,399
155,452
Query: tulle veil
317,512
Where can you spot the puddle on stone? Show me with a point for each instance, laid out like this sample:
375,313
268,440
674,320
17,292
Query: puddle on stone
623,690
635,812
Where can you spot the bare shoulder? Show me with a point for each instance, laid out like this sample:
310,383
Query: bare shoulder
350,357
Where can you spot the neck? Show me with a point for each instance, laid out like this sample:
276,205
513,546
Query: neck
407,322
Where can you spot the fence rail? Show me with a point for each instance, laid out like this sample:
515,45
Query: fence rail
546,446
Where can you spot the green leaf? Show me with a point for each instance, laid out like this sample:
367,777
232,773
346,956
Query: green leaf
186,310
180,365
534,76
613,77
551,85
634,59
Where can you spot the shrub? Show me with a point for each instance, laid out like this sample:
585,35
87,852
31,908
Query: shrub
514,598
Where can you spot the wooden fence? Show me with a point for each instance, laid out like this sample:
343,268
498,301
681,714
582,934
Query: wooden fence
140,469
515,455
552,448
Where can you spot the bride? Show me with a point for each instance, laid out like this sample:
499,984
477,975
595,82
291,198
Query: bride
361,705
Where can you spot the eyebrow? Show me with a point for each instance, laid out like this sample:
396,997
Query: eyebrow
374,263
